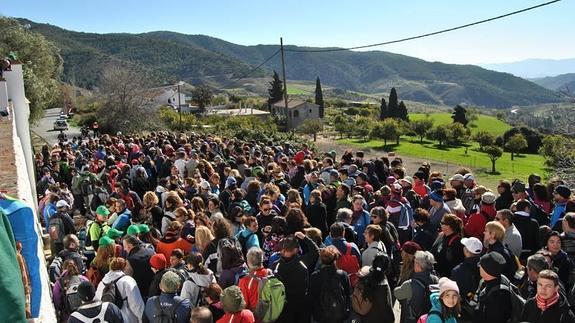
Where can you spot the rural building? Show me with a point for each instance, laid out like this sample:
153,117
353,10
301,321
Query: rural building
298,112
239,112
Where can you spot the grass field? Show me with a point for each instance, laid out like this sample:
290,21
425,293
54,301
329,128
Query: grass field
521,167
483,122
295,90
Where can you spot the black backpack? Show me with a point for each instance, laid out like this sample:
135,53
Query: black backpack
166,314
333,304
69,290
426,307
244,241
111,293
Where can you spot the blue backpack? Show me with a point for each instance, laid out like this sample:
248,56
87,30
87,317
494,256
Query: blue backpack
405,215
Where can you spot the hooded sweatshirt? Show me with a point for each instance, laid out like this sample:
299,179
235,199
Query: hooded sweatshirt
436,307
193,286
133,307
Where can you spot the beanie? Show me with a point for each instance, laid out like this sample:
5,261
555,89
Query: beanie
410,247
232,299
158,261
446,284
492,263
436,196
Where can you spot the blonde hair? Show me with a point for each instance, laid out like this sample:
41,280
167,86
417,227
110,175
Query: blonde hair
497,229
203,237
150,199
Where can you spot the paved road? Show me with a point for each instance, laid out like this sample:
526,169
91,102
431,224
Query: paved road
45,127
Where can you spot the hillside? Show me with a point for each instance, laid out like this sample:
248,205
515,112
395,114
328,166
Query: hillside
535,68
564,83
169,56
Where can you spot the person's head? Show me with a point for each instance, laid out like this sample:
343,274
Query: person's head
203,237
296,220
518,190
494,231
251,223
232,299
472,247
213,292
118,263
314,234
561,193
357,203
289,247
255,258
195,263
69,266
201,314
86,291
436,198
71,242
491,265
176,257
523,206
336,230
569,222
372,233
423,261
505,217
421,216
344,215
315,197
170,282
342,191
379,215
535,264
328,255
158,262
554,243
449,294
451,224
150,199
547,284
129,242
222,228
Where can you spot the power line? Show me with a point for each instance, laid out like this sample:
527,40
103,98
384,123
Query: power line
252,70
423,35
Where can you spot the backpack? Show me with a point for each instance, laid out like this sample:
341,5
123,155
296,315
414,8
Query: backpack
272,298
86,186
100,318
405,215
55,269
349,263
56,229
517,302
94,275
200,301
98,198
71,298
166,314
111,293
423,318
426,300
229,253
333,305
243,241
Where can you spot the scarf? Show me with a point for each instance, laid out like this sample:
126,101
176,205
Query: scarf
544,304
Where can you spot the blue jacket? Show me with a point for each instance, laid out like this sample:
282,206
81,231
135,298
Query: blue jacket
123,221
436,306
359,224
252,241
558,212
167,301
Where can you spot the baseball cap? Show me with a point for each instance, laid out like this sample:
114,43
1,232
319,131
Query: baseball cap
457,177
473,245
102,210
62,203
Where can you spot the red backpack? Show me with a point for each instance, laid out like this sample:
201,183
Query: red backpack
349,263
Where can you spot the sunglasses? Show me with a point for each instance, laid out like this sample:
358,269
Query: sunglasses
266,209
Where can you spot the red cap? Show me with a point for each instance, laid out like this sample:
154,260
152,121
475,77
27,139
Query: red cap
158,261
410,247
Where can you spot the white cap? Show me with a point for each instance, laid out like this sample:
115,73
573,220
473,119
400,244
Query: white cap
62,203
457,177
473,245
205,184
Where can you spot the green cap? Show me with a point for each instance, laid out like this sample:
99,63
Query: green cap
257,170
133,229
102,210
144,228
114,233
105,241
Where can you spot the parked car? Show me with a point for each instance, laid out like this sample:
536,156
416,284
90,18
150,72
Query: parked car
60,124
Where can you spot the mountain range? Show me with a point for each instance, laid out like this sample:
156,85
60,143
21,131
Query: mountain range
535,67
169,57
564,83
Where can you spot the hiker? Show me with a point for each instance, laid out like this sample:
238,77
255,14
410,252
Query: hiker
445,303
371,299
99,227
125,289
138,263
234,306
59,225
168,306
64,293
528,284
374,245
158,264
249,284
92,309
200,277
447,249
493,240
494,302
248,237
548,305
466,274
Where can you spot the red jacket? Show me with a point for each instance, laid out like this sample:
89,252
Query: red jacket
476,222
245,316
250,287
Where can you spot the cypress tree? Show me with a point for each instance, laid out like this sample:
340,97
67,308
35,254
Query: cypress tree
276,92
383,111
319,97
402,112
393,104
459,115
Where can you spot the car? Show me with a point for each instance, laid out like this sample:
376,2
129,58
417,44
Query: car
60,125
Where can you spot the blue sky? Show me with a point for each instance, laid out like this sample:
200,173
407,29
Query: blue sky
543,33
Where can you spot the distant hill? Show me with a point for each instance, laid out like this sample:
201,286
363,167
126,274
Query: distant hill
535,68
168,57
564,83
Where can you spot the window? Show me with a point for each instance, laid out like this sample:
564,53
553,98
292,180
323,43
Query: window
296,114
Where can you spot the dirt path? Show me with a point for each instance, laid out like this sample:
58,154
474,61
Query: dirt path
411,164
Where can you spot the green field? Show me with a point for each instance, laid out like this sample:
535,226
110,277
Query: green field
294,90
521,167
483,122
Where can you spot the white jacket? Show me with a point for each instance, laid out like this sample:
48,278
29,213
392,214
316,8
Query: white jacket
133,307
192,286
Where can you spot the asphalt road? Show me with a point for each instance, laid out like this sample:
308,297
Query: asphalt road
45,127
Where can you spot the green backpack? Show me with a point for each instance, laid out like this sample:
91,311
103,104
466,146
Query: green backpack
272,298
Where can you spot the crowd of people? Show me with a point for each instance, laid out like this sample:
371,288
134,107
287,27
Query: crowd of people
174,227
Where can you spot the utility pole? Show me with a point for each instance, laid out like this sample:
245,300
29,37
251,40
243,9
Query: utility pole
179,106
284,79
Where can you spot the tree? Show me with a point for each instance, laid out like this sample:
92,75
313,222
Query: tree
276,91
362,127
552,146
319,98
516,144
402,112
484,138
341,125
458,134
459,115
387,130
42,64
439,133
393,104
533,138
494,153
202,95
311,127
422,127
383,110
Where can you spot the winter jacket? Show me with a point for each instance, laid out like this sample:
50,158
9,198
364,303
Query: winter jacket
245,316
494,303
379,310
510,263
529,229
320,279
557,313
425,235
371,251
476,225
154,289
436,307
251,242
512,240
92,310
133,307
448,252
317,217
139,259
466,275
360,222
167,301
249,285
411,295
192,287
123,221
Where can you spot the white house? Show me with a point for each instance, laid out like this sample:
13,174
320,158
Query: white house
169,96
298,111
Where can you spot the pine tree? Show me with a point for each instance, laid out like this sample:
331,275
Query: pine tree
459,115
276,92
402,112
393,104
383,111
319,97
